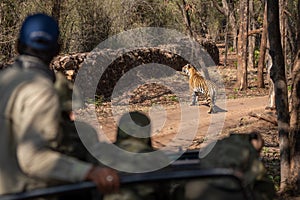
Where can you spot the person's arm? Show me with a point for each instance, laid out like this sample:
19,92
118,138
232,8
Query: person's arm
36,121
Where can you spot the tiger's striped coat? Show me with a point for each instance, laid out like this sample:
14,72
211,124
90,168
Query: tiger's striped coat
198,84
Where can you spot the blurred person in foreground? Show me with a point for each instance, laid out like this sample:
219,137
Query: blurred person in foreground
30,115
71,140
238,152
134,135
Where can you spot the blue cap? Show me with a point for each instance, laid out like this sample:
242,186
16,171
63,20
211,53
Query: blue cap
39,31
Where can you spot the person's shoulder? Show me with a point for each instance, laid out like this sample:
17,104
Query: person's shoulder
35,82
14,76
33,85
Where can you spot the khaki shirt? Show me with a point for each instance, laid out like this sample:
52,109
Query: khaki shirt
29,120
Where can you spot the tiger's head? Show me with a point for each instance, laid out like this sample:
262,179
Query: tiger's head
189,69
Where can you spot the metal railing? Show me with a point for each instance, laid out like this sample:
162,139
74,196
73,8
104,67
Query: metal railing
167,174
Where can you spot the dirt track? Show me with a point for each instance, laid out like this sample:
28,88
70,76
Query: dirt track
174,126
209,126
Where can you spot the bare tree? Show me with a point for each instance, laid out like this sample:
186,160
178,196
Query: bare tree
94,24
298,27
295,123
262,51
226,41
228,10
280,85
251,38
283,27
186,16
242,82
295,113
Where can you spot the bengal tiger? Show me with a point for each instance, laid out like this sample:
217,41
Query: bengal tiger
198,84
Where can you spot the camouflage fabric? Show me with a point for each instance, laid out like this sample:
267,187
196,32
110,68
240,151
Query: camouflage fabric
133,135
235,152
134,126
68,141
66,91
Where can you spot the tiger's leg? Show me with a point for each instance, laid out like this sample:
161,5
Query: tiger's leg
194,99
211,109
211,100
214,100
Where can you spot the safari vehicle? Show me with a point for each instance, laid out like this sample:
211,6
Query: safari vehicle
187,167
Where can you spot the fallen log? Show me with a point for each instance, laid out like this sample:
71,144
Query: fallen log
264,117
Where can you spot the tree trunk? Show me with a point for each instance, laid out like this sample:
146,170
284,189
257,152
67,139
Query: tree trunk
281,97
298,28
226,41
262,52
251,38
283,27
233,24
295,114
227,10
186,16
251,49
295,124
242,81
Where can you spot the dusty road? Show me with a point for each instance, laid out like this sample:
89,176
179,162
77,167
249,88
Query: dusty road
178,126
193,127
